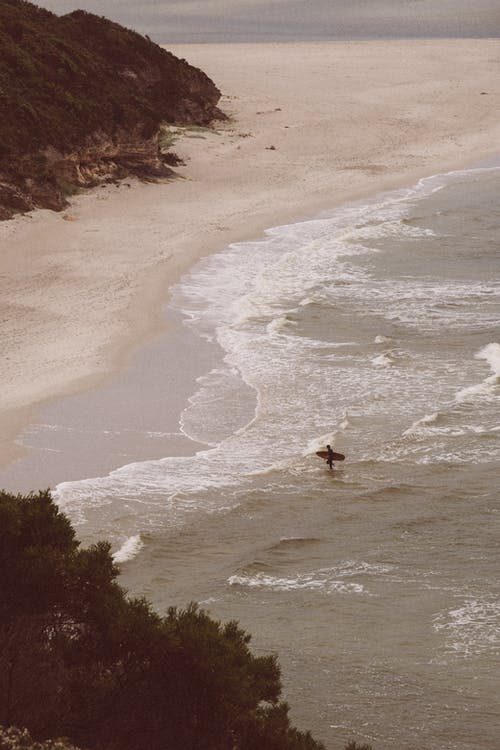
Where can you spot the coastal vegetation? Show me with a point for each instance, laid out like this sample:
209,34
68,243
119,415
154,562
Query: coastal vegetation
80,659
82,100
14,738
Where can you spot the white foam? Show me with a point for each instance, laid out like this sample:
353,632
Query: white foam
383,360
319,442
313,581
391,228
361,567
472,392
429,305
472,628
488,388
129,549
325,580
280,325
491,353
425,421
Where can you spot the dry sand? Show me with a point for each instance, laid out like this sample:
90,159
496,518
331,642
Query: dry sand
312,125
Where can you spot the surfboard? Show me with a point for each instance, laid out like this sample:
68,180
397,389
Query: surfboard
335,456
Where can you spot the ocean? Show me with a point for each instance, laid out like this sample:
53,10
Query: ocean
202,21
373,327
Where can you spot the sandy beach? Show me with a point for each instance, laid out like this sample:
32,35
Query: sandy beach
311,125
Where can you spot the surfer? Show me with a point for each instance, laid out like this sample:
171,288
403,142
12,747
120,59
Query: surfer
329,458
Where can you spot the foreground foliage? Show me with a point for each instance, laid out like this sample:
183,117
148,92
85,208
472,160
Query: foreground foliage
13,738
81,660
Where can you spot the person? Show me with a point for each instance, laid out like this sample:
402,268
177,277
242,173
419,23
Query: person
329,459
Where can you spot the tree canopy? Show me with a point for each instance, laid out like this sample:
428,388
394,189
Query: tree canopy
80,659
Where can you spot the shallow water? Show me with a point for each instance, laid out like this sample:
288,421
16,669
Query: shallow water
374,328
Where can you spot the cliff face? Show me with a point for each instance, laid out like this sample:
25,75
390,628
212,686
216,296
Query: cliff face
81,100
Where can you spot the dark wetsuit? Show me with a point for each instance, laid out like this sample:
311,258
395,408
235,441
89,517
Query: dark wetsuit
329,460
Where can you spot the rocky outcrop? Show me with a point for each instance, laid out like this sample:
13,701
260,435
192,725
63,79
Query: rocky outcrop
81,102
104,157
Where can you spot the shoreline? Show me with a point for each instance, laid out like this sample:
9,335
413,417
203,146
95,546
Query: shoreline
96,278
88,430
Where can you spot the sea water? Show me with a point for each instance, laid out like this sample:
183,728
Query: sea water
375,328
